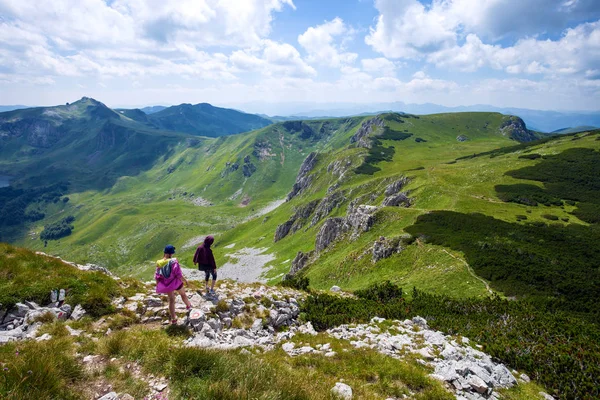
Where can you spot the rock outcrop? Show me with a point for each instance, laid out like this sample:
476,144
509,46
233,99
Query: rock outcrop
462,138
262,150
329,232
358,220
299,263
283,230
303,180
361,137
248,168
396,186
384,248
327,205
400,199
468,372
229,168
514,128
296,221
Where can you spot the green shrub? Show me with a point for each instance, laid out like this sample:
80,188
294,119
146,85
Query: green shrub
550,217
296,282
573,175
553,264
222,306
532,156
381,292
326,311
58,230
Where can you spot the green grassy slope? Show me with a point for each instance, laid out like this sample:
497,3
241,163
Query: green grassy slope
126,226
438,182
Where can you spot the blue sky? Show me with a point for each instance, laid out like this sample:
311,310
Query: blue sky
253,54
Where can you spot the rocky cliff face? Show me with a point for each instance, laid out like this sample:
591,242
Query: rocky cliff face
303,179
358,220
515,128
327,205
40,133
300,262
296,221
393,196
361,137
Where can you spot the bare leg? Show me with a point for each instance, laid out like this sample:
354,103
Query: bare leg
184,297
214,280
172,306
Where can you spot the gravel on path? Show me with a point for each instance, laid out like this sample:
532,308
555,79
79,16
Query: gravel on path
245,265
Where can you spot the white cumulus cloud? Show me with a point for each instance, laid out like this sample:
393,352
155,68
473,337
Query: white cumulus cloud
321,43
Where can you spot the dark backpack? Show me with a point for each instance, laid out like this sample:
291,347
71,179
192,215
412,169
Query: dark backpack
165,271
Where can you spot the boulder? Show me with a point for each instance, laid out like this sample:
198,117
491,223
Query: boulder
110,396
503,378
16,333
78,313
342,391
397,200
196,319
287,347
420,321
477,384
153,302
361,218
257,325
20,310
335,289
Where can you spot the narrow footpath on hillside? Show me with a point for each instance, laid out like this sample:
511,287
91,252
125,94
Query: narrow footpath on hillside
487,286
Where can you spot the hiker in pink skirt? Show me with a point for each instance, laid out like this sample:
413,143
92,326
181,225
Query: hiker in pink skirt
170,279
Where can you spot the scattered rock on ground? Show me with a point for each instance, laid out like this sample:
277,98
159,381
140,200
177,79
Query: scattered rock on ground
342,391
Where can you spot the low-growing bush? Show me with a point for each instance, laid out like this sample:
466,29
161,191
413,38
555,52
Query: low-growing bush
381,292
550,217
532,156
222,306
58,230
296,282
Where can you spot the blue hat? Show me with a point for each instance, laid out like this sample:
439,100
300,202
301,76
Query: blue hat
170,249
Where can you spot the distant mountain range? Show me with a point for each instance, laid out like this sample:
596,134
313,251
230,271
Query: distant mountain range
89,144
539,120
11,108
208,120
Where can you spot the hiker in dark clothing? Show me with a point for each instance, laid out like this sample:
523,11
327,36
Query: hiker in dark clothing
206,262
